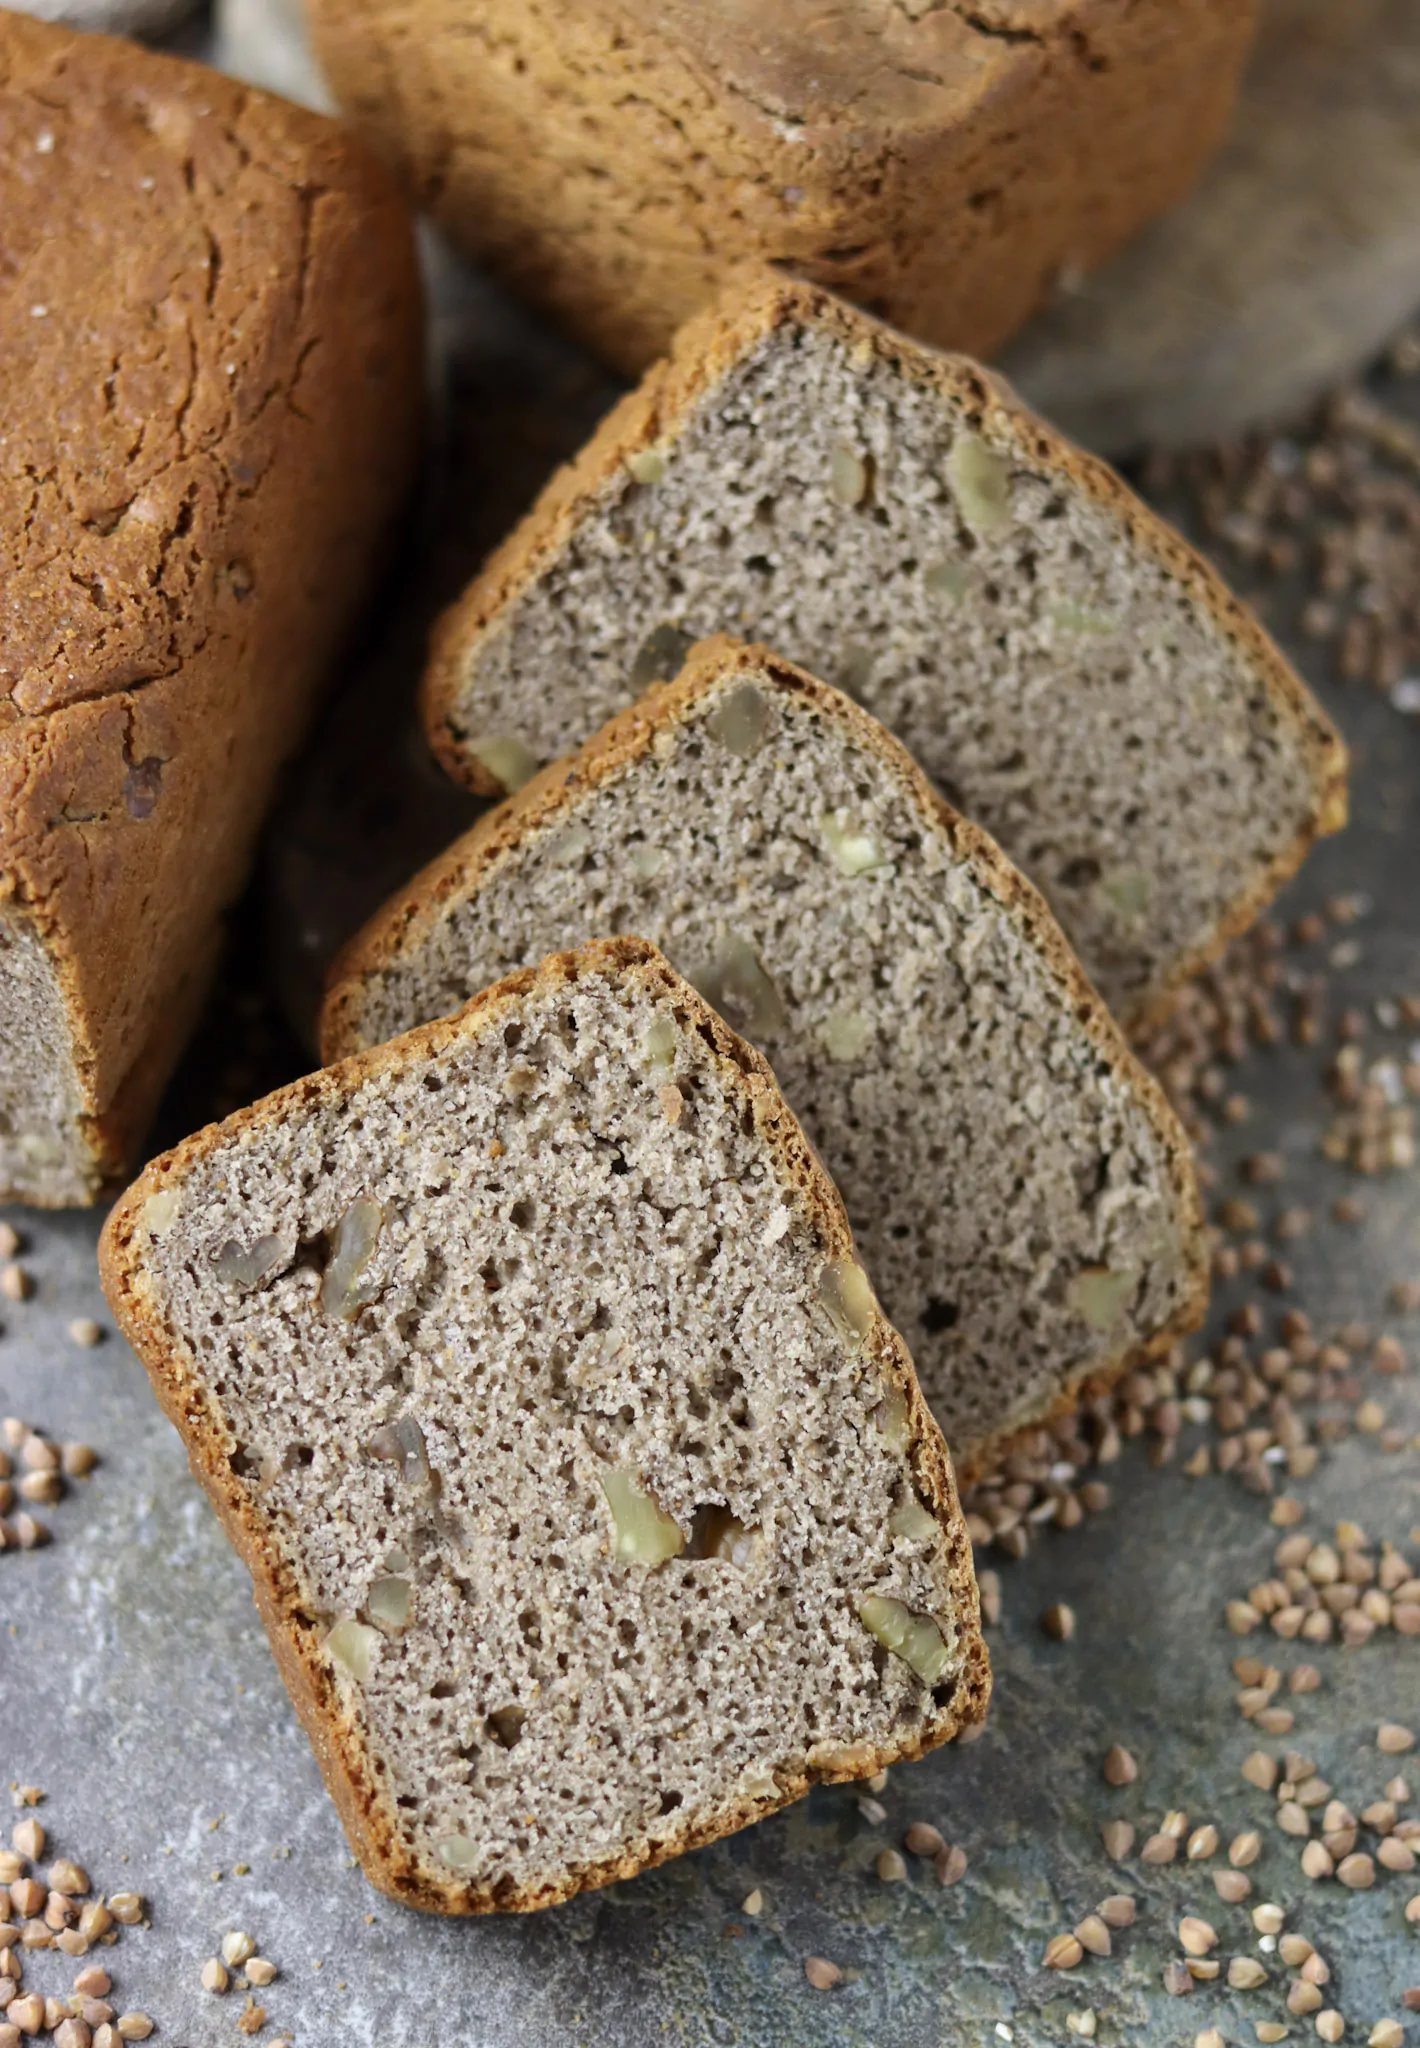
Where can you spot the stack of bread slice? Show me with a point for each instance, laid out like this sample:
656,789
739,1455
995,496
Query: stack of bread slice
591,1498
1068,672
1022,1194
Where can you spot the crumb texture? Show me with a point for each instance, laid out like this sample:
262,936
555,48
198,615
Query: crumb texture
1054,678
41,1136
469,1328
209,325
1015,1187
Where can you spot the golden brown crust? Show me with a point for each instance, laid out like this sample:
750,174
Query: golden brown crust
940,162
209,421
177,1379
459,872
659,409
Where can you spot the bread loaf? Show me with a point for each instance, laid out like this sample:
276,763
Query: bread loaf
945,165
209,322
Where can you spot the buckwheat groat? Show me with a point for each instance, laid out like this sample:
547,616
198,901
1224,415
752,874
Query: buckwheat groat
209,324
1063,666
591,1502
1023,1195
941,163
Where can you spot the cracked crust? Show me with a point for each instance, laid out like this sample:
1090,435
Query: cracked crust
334,1732
940,161
210,409
457,875
653,415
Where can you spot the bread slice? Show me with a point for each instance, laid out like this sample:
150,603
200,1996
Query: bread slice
1022,1193
1063,666
209,414
591,1502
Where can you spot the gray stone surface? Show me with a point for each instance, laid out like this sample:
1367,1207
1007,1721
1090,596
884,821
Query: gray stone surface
138,1691
1296,256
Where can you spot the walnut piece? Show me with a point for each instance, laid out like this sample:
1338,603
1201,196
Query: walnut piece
644,1534
740,722
980,479
352,1645
506,758
915,1638
344,1289
847,1294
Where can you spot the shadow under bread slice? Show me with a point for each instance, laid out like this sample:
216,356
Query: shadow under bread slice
591,1503
1066,669
1023,1196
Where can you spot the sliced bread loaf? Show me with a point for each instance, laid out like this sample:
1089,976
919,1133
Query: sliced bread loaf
1023,1195
591,1502
1065,669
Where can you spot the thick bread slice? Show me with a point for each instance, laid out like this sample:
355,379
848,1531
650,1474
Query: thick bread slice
209,414
1023,1195
1064,667
591,1502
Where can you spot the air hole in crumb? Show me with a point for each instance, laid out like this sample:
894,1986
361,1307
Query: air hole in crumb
296,1457
1080,874
531,1628
488,1273
512,1036
670,1801
243,1464
432,1083
521,1215
443,1689
628,1632
939,1315
942,1695
505,1725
